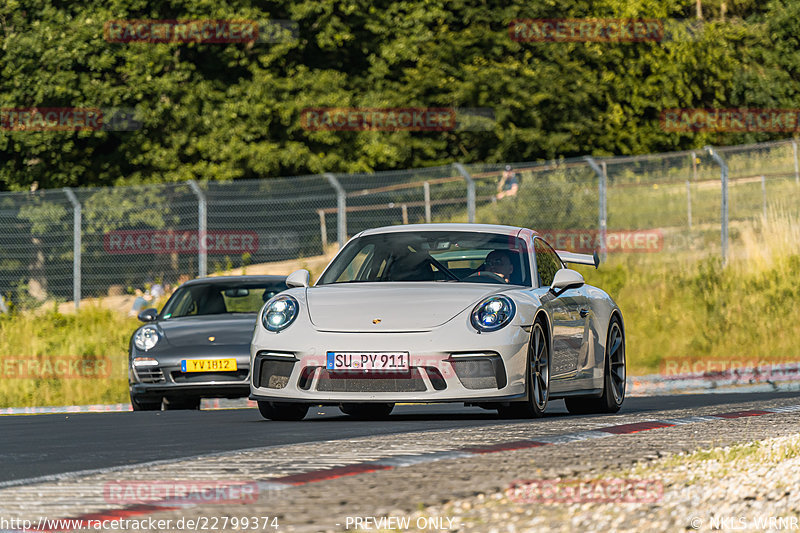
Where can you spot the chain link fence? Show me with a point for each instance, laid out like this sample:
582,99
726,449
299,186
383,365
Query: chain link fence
70,244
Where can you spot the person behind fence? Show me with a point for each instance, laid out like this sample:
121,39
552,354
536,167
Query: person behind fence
157,290
140,303
508,184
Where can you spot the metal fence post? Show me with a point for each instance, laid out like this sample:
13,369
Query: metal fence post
77,218
764,196
724,207
426,187
694,166
689,203
602,212
341,208
323,229
470,191
796,167
202,253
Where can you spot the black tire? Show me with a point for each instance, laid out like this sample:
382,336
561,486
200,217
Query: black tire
537,378
367,411
613,378
287,411
144,405
182,404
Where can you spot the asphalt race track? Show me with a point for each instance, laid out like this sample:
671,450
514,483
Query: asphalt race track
46,445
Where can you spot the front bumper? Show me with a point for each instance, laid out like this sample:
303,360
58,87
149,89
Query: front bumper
144,392
446,366
168,380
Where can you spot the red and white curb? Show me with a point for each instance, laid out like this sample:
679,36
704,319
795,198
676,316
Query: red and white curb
400,461
67,409
760,378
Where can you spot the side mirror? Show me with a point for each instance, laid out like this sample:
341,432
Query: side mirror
149,315
298,278
565,279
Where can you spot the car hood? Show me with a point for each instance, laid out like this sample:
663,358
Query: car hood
227,330
391,307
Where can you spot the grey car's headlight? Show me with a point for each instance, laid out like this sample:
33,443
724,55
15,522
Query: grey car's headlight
146,338
279,313
493,313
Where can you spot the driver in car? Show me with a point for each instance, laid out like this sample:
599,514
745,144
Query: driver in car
499,262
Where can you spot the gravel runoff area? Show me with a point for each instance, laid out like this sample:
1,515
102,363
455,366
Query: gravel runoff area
744,487
732,488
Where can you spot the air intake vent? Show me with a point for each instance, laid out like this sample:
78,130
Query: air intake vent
437,380
203,377
484,372
274,373
150,374
360,382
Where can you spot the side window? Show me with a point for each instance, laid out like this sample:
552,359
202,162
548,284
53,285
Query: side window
547,262
355,269
186,305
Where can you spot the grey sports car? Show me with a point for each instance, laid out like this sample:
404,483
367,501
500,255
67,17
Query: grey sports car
480,314
199,345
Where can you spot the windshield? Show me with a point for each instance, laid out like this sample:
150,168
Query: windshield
470,257
220,298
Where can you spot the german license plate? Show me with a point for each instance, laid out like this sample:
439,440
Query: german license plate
208,365
368,361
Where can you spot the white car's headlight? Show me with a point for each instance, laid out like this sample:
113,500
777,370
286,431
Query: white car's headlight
279,313
493,313
146,338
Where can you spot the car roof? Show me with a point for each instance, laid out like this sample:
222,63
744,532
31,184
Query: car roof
480,228
215,280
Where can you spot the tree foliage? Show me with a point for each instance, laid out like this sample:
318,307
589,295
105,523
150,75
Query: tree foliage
230,111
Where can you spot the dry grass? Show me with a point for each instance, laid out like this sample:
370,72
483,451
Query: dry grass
679,309
30,344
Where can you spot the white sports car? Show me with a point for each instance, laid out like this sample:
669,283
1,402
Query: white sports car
480,314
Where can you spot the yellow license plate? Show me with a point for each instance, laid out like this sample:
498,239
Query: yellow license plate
208,365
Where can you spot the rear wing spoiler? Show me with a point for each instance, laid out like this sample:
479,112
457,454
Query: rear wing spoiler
579,259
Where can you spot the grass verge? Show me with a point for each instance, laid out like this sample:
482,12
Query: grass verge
678,309
37,348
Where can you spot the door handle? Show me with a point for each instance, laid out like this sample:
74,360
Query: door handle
584,313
